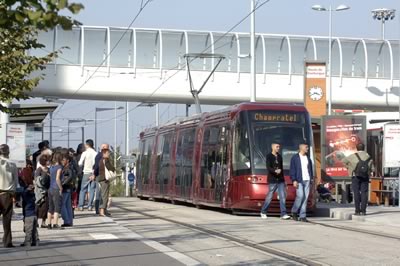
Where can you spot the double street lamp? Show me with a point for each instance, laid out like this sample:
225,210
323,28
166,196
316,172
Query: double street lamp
330,9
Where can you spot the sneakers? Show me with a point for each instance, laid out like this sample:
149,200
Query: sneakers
263,216
285,217
295,217
80,209
304,220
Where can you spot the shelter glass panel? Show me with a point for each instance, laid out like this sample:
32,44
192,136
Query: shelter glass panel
353,58
299,54
122,48
70,39
396,58
95,46
200,43
227,46
46,38
276,59
147,53
173,50
378,60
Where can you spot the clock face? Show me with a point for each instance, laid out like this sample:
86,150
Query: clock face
315,93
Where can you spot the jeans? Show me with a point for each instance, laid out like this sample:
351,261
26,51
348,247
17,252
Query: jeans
273,187
303,189
87,185
66,207
31,231
360,191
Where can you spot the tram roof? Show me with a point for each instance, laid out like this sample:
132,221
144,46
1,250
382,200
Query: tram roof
182,121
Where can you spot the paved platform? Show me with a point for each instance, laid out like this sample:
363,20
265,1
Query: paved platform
159,233
93,240
378,214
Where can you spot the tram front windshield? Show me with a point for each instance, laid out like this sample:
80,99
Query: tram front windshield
267,127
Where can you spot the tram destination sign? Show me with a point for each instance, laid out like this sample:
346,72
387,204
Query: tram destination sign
277,117
391,144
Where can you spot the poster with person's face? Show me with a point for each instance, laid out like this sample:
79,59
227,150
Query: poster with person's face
340,136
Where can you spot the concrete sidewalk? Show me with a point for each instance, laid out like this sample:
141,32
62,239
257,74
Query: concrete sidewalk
92,240
379,214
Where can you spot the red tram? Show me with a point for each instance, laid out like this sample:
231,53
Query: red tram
218,159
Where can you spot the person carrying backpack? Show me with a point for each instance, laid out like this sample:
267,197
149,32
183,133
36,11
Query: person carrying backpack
360,167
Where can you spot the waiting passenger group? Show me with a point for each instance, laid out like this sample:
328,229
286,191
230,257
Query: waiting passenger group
52,185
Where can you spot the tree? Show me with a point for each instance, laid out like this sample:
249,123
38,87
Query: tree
20,23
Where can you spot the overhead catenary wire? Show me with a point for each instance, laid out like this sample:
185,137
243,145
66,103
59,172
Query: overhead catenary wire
258,6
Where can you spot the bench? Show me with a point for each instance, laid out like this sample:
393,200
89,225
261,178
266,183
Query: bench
385,193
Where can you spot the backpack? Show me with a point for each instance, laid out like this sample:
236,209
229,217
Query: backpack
362,167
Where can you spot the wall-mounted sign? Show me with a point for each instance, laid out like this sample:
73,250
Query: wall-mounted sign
315,88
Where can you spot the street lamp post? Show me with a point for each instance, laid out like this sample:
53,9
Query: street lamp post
99,109
253,79
71,121
383,15
330,9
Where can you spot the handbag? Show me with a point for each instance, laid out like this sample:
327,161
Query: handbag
110,175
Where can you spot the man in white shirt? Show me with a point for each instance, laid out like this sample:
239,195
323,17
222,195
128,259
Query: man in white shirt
8,186
88,183
301,173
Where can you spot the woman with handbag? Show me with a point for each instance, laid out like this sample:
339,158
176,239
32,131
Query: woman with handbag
106,175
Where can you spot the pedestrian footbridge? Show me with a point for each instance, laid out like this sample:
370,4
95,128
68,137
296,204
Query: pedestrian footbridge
148,65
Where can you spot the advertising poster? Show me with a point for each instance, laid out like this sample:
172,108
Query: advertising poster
341,134
16,142
391,146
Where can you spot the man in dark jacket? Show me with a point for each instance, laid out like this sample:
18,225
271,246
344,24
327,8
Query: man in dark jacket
276,182
301,173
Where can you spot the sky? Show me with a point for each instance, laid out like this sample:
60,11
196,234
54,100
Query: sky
277,16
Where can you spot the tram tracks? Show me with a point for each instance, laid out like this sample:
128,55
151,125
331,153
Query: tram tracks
286,256
356,230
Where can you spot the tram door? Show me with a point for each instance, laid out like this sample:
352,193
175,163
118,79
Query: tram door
214,163
222,170
163,162
185,162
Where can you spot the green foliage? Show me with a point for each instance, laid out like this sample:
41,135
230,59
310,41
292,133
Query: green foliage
20,23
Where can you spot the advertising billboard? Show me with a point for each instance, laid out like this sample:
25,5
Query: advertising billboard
340,135
16,142
391,145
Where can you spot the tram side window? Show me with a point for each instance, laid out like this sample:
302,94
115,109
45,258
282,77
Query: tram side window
241,151
160,144
163,160
185,157
210,157
140,161
214,156
146,160
178,159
